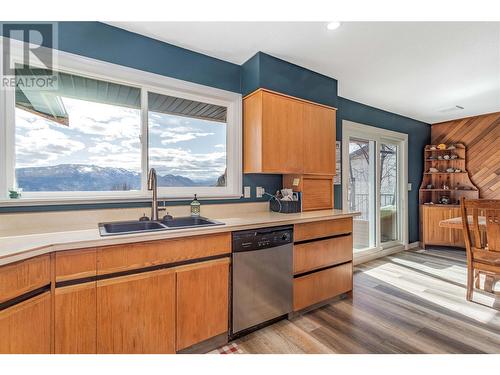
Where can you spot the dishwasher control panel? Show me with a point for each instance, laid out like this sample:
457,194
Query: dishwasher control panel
257,239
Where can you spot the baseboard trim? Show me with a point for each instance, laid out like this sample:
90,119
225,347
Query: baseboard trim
412,245
207,345
363,258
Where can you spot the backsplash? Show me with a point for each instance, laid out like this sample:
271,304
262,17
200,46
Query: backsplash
14,224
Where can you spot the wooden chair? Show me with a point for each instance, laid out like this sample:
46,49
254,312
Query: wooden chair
482,244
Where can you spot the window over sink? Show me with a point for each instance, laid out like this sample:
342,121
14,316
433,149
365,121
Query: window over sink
95,136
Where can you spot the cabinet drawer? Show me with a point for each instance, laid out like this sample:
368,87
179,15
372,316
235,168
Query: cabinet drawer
76,264
145,254
321,285
320,229
21,277
322,253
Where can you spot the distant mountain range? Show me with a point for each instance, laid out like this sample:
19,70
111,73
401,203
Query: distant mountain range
81,177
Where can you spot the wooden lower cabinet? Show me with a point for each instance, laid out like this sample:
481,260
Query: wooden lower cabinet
322,261
24,276
318,254
320,229
136,313
433,234
322,285
25,327
75,330
202,302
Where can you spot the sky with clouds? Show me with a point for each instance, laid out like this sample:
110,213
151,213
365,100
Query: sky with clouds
109,136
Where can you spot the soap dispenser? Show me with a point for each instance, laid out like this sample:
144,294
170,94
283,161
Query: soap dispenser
195,207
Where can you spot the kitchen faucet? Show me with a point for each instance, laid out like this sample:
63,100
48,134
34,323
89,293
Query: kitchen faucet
153,185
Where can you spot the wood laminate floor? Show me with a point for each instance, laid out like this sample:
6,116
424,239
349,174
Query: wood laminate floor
410,302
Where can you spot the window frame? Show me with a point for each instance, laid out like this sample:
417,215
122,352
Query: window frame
146,82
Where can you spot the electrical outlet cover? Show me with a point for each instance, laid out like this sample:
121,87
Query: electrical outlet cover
246,192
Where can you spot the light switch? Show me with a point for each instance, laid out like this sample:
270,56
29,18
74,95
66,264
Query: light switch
409,186
246,192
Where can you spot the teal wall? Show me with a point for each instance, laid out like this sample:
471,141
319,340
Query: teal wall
269,72
419,134
107,43
104,42
266,71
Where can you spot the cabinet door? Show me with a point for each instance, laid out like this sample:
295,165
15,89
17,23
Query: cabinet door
457,235
319,140
433,233
282,143
25,327
202,302
136,313
75,319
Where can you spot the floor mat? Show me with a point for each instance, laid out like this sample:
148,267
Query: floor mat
231,348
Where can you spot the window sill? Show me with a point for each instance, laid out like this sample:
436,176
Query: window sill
27,202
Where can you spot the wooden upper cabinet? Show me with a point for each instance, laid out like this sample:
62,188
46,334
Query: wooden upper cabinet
287,135
281,134
319,140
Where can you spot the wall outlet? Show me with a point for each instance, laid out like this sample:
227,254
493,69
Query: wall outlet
247,192
259,190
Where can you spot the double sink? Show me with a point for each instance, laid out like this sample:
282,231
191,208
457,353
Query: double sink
138,226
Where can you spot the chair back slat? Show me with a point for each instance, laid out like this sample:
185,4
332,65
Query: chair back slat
466,232
484,238
493,229
475,228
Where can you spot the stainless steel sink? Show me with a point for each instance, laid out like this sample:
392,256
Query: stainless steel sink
190,222
127,227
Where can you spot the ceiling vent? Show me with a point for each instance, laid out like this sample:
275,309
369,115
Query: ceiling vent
451,109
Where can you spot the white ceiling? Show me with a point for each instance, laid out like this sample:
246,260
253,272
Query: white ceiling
417,69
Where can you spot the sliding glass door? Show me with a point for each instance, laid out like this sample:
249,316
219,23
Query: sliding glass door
375,185
389,179
361,191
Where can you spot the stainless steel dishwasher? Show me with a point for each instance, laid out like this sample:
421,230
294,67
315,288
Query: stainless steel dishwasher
262,276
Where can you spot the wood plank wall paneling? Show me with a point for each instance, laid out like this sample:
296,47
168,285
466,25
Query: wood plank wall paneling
481,136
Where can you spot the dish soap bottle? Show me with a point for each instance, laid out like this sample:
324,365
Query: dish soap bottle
195,207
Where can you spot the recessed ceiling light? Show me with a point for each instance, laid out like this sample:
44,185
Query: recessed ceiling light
333,25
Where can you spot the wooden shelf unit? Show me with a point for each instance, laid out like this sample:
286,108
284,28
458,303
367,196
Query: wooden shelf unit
458,184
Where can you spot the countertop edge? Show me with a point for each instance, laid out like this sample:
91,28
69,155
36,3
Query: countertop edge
18,255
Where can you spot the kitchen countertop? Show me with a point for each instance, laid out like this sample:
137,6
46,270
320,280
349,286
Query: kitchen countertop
15,248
